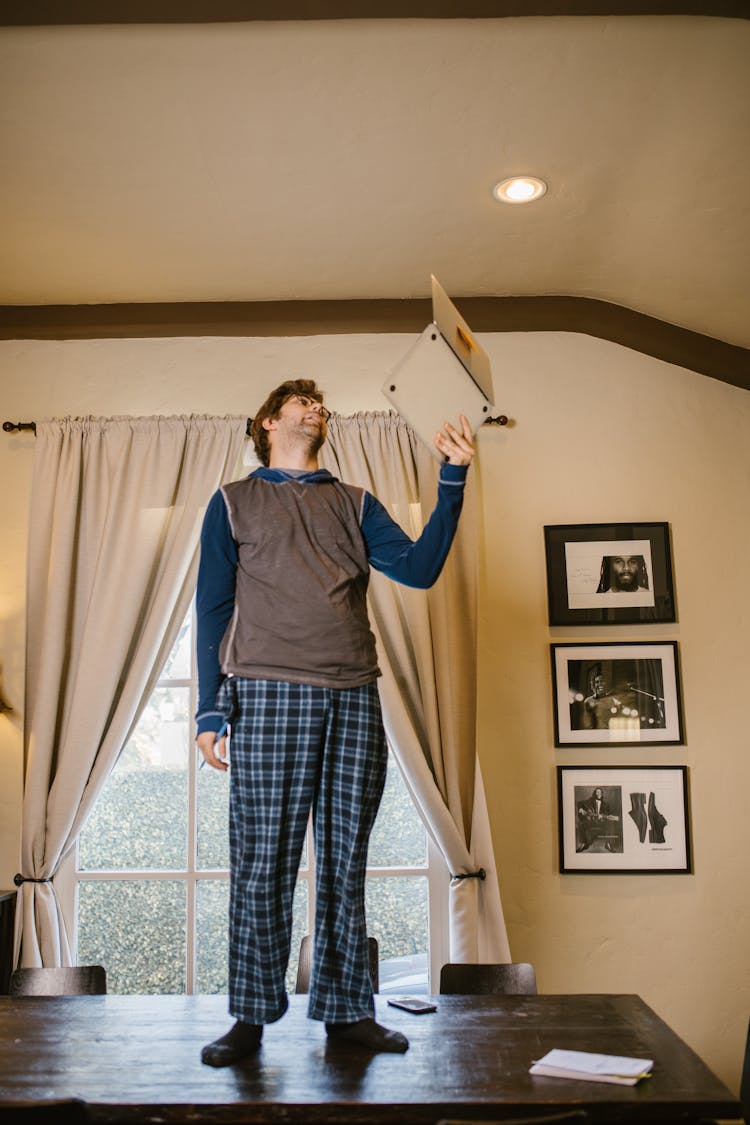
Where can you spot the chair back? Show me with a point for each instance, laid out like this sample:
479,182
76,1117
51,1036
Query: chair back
74,980
515,979
304,965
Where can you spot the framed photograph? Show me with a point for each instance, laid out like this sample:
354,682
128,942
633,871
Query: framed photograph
609,573
614,694
623,820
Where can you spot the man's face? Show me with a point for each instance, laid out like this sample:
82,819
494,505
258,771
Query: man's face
303,415
600,685
625,572
598,794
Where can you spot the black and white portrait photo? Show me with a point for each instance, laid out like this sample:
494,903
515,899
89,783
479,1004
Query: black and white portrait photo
623,574
616,695
604,574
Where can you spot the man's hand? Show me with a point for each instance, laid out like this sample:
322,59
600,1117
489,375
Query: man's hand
214,753
457,448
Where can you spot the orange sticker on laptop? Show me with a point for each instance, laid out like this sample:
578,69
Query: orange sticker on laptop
465,339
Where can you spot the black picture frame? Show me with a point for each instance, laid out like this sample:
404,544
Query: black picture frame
583,586
617,694
624,820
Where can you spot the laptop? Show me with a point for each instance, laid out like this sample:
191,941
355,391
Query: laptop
444,374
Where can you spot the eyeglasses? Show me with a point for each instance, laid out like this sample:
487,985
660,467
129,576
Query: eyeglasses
305,400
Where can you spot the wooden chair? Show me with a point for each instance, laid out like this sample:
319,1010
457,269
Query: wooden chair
514,979
304,965
75,980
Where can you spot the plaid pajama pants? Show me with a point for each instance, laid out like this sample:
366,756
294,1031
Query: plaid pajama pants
295,747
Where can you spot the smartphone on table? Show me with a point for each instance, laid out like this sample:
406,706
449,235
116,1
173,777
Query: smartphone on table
412,1004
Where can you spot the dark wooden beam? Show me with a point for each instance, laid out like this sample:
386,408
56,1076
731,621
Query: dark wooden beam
212,318
50,12
704,354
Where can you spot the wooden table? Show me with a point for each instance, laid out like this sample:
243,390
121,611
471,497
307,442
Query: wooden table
137,1058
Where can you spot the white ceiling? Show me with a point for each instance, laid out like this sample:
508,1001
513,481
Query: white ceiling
341,159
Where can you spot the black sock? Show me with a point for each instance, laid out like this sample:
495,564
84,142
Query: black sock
367,1033
241,1040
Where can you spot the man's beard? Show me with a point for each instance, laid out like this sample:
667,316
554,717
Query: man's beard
314,433
625,581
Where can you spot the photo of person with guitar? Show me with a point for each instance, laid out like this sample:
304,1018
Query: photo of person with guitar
599,818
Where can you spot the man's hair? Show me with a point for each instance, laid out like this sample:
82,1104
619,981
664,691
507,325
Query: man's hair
272,407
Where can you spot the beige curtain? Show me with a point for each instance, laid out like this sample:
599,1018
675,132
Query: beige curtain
116,510
427,645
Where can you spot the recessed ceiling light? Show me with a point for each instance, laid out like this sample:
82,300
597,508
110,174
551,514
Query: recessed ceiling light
519,189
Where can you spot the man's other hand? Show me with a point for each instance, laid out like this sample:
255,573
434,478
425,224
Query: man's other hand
214,753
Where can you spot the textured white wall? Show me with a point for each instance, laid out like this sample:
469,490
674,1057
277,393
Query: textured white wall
597,433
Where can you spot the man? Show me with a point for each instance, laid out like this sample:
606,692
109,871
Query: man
594,807
287,658
624,708
592,813
622,574
600,705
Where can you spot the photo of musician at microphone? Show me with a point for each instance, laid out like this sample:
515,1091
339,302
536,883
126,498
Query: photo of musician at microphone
616,695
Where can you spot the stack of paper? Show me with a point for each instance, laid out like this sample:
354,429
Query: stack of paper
589,1067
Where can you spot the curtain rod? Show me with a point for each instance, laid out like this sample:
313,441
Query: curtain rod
9,427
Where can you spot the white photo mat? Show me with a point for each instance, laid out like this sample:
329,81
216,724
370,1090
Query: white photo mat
583,568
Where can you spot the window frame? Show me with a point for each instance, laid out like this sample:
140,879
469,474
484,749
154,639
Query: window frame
70,877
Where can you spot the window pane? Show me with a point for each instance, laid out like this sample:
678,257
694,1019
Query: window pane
212,824
397,915
398,838
299,928
136,930
140,817
178,661
211,912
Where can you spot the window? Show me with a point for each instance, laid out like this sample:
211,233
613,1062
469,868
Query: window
152,870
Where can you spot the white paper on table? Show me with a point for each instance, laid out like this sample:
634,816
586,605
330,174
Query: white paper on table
586,1065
